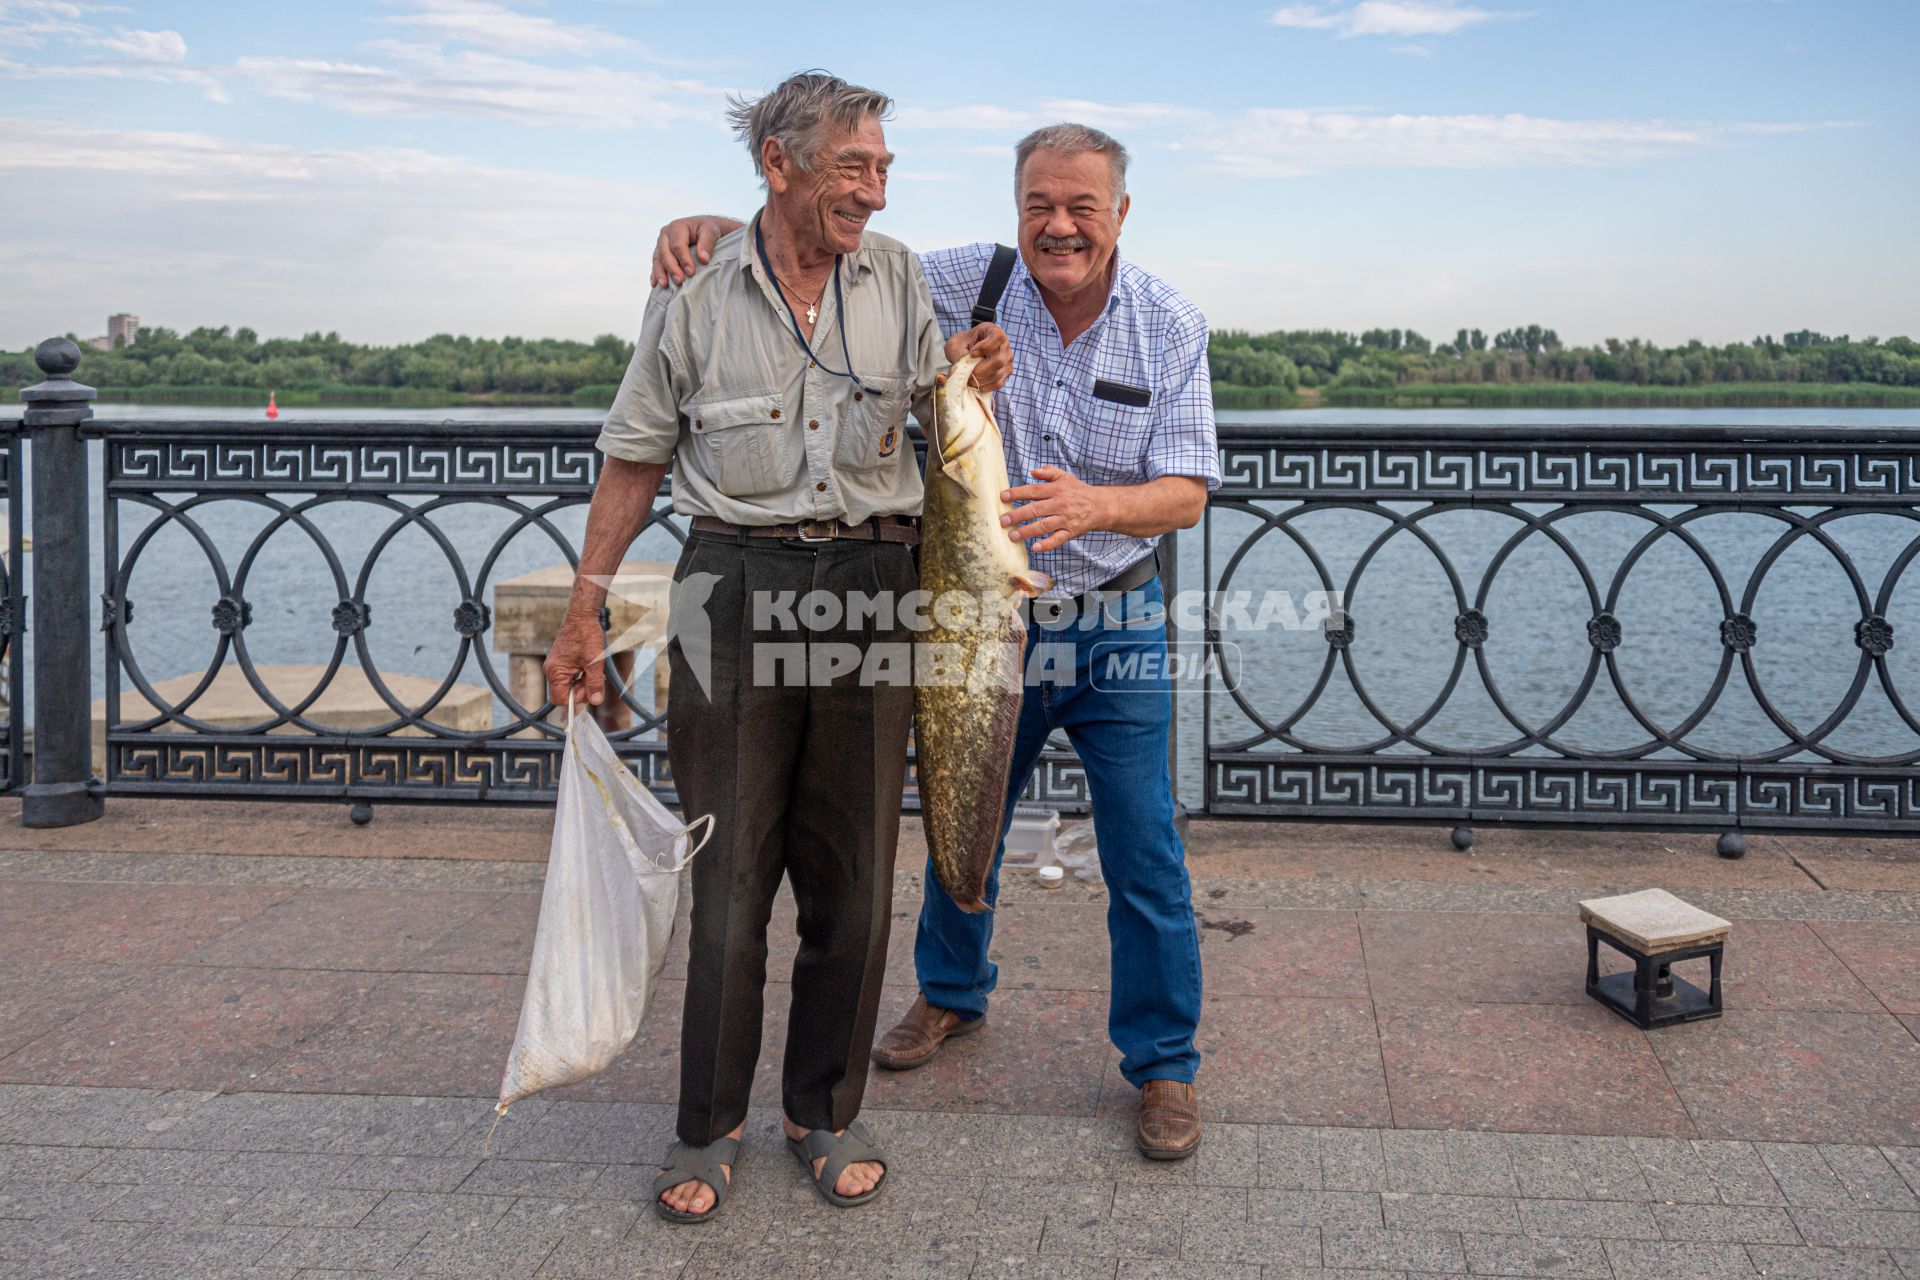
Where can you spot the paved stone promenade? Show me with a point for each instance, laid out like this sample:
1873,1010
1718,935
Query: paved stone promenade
221,1055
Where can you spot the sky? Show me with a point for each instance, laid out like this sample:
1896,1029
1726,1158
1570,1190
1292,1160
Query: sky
390,169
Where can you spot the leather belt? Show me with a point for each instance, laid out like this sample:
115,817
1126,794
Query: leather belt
1137,574
1132,578
902,529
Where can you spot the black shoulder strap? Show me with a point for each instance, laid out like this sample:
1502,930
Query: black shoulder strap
999,271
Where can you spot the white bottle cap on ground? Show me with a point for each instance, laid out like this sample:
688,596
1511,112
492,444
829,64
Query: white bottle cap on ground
1051,877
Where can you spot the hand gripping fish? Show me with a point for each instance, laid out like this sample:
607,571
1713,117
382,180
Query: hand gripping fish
968,663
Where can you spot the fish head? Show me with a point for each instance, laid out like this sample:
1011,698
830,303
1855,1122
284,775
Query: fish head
963,416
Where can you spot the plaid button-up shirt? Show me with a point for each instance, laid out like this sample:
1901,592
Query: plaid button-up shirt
1149,343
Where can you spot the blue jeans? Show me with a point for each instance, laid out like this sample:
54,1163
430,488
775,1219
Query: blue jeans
1118,721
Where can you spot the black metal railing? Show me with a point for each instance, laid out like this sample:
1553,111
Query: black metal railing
1679,626
410,486
1654,568
470,496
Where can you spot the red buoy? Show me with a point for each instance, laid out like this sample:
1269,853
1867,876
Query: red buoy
273,410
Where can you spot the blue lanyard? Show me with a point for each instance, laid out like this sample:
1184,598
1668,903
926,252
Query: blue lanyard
839,312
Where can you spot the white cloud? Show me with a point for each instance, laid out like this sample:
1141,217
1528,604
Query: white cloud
481,58
138,55
207,84
146,46
1413,50
422,80
1293,142
1279,143
384,244
1387,17
26,24
488,25
1101,115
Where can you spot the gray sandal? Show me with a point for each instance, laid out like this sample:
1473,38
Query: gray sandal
855,1147
696,1164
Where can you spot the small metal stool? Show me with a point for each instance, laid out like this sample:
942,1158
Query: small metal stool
1655,930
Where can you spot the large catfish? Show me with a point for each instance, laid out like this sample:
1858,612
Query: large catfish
968,664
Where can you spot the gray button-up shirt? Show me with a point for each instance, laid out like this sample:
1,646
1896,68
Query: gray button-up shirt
759,434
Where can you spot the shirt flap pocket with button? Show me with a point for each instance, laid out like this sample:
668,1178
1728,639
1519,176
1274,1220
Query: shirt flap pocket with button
739,411
875,424
743,444
1107,441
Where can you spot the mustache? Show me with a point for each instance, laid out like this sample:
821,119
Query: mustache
1063,242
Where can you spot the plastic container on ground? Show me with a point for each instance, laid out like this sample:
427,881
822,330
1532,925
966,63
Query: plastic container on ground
1030,840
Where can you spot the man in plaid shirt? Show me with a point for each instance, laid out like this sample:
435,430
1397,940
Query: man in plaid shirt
1109,414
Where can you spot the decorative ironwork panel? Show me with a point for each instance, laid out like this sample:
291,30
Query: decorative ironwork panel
212,503
352,768
1060,780
1466,790
1679,626
272,526
390,458
1751,465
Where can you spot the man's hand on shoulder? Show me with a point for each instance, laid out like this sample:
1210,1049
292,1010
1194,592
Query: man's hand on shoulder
686,244
989,342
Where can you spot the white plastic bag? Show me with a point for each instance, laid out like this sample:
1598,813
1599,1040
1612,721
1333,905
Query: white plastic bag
606,917
1077,852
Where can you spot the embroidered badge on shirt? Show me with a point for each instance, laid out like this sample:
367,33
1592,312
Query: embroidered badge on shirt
889,442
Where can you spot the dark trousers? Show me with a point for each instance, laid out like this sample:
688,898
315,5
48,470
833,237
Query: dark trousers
804,779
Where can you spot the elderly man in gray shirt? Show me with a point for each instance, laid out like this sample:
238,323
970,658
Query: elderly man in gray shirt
778,389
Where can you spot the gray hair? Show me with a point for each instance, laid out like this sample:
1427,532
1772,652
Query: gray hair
799,113
1071,140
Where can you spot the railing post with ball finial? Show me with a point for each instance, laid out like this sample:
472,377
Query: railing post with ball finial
64,791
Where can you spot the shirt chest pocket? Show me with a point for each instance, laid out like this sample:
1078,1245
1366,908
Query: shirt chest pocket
873,428
745,444
1106,443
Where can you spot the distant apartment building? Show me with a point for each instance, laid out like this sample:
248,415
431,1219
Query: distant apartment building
122,329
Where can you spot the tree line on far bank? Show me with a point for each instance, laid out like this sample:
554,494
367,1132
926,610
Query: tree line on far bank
225,359
1384,359
210,365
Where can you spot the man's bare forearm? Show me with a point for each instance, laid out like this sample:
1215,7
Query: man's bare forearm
1156,507
622,501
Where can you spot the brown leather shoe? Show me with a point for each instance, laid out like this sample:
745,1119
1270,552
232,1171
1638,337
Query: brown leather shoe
1169,1127
920,1034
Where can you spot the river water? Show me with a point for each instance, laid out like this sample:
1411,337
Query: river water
1537,652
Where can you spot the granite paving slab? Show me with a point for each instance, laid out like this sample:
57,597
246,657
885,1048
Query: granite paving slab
423,1033
292,1188
59,923
370,929
498,940
1277,1059
38,998
1529,1068
1042,1052
1798,1077
1402,1079
202,1028
1884,955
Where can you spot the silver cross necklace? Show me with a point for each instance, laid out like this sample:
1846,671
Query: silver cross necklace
813,304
